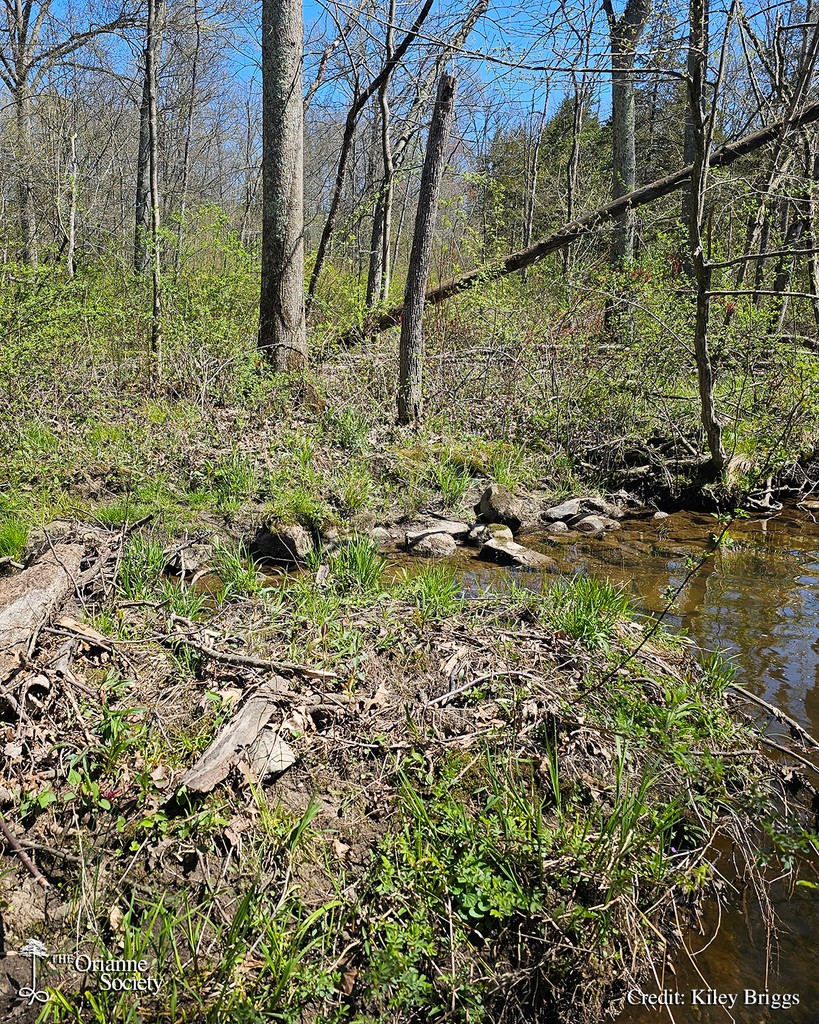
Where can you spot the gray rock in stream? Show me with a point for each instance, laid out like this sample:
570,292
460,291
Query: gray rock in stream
509,552
497,505
434,545
458,531
576,508
281,543
482,532
595,524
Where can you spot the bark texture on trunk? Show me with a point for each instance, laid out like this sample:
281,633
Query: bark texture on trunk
25,180
282,333
142,202
155,19
624,33
411,352
697,67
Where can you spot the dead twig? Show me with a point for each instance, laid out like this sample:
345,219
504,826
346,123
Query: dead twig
21,854
248,661
800,731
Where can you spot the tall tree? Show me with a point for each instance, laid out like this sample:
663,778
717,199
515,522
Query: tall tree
624,33
282,333
361,98
701,129
411,356
152,47
31,45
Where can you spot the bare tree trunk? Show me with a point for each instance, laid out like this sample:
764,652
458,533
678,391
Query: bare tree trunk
25,181
73,184
411,354
378,276
624,33
798,229
531,192
350,123
142,205
573,165
812,168
186,156
282,333
701,137
155,17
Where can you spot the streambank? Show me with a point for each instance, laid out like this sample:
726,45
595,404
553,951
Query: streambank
476,806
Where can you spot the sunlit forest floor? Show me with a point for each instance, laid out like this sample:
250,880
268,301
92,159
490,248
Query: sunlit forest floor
484,799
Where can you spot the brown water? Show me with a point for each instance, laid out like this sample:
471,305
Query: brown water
756,600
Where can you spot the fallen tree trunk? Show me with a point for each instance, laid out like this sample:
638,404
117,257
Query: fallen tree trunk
30,598
569,233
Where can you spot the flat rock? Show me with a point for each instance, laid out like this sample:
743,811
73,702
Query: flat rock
595,524
282,543
557,528
434,545
497,505
509,552
574,507
458,531
566,510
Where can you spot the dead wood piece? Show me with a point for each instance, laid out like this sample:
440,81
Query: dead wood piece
239,736
248,661
22,856
797,731
29,599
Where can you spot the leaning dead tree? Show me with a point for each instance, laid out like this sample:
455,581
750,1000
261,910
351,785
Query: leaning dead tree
411,352
511,264
361,99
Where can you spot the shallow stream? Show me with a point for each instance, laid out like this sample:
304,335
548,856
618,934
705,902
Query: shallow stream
757,599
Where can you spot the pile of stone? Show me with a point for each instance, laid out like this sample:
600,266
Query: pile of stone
500,518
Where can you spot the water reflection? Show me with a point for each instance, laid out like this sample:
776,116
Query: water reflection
757,600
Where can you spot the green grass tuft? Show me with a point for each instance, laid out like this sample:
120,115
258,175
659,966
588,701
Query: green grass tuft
13,537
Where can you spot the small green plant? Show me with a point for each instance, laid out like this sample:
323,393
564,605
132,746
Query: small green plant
453,480
434,589
142,567
232,477
122,511
184,600
357,565
354,489
506,465
239,576
587,609
13,537
347,428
